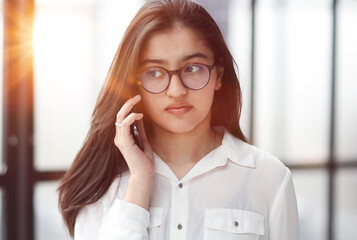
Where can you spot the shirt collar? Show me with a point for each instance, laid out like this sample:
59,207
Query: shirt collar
232,149
235,150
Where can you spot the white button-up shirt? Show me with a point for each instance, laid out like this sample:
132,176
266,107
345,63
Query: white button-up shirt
236,191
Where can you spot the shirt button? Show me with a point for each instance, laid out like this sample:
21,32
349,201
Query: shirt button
180,185
236,224
179,226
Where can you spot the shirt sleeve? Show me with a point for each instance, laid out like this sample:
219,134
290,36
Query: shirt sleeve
123,220
283,218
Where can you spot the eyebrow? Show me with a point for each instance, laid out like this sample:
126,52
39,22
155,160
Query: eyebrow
160,61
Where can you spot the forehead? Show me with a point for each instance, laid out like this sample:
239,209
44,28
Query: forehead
175,44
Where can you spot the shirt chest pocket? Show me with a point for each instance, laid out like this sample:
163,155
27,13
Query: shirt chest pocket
233,224
156,215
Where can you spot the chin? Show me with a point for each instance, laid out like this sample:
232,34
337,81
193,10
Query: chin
180,128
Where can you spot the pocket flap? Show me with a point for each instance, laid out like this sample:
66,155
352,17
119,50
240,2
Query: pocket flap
156,215
234,221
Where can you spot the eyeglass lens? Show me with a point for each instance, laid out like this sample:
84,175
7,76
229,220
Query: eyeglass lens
157,79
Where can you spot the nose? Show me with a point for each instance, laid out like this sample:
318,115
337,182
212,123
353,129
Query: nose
176,88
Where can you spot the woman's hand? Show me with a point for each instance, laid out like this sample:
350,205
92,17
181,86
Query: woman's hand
140,162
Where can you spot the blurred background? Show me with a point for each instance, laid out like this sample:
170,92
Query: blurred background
297,64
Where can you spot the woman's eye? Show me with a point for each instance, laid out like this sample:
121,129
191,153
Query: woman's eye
192,68
155,73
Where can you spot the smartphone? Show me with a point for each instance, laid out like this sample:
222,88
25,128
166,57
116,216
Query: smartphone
136,135
135,131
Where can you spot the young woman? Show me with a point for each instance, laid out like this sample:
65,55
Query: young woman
196,177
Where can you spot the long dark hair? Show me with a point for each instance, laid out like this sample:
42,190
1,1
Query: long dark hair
99,161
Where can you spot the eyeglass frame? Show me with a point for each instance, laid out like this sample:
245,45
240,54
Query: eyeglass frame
178,73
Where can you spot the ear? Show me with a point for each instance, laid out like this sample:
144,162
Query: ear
220,71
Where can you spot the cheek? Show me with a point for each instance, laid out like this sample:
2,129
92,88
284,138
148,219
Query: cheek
204,99
209,100
149,103
208,92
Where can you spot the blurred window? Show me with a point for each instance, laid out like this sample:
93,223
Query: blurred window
311,187
346,209
48,222
285,54
293,58
74,44
2,215
346,74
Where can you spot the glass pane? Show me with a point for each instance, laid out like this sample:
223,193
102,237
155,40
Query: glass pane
2,215
293,69
239,42
74,44
311,193
346,77
218,11
48,220
346,207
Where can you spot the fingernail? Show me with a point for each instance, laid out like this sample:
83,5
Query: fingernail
137,97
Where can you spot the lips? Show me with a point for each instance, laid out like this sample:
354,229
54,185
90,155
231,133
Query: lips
178,108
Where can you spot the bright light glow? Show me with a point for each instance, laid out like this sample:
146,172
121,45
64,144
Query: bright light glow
59,38
74,45
64,58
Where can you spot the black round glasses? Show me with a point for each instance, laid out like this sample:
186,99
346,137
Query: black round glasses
193,76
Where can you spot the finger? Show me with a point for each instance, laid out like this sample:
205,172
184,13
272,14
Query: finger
127,107
124,126
130,119
123,132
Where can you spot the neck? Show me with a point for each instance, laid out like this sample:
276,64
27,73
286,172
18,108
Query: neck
183,148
